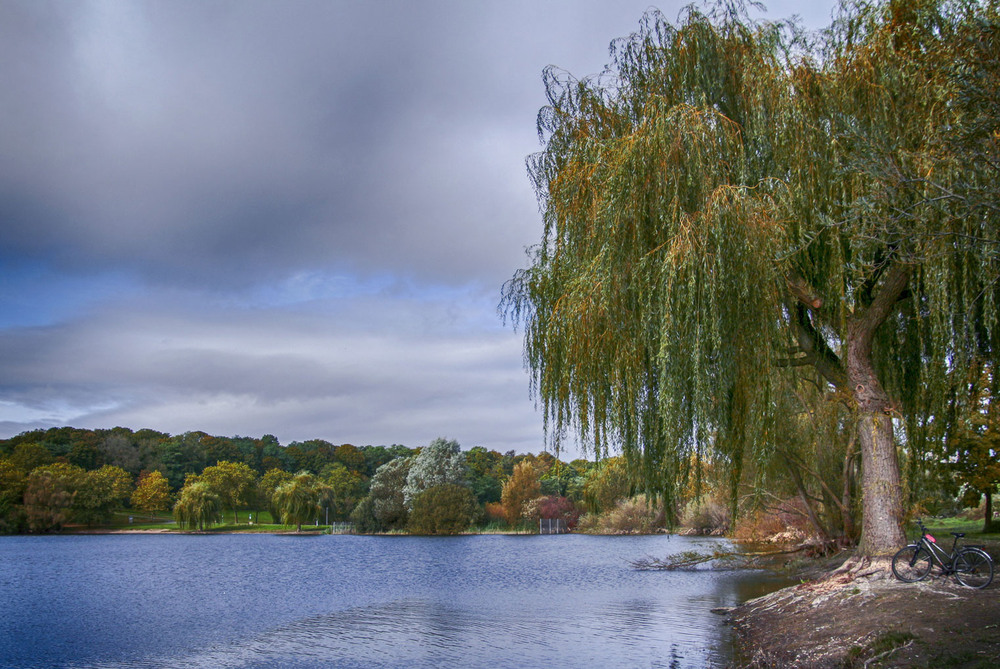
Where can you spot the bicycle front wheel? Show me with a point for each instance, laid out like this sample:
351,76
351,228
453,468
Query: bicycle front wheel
911,564
973,568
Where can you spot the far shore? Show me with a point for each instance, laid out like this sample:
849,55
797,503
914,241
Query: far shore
251,529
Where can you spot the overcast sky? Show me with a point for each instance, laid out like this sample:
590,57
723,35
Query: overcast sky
287,218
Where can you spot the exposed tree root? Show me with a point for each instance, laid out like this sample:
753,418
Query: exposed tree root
862,567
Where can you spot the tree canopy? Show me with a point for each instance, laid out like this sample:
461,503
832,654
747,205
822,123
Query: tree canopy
152,493
297,500
736,207
441,462
972,450
198,507
232,482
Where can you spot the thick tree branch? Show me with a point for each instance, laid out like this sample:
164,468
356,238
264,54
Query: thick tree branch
803,292
814,347
865,322
803,361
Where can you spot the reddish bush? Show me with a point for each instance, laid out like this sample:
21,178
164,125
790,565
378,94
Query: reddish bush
495,512
557,507
552,507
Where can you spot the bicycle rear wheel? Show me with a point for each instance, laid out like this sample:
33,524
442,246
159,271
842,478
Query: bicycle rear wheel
973,568
912,563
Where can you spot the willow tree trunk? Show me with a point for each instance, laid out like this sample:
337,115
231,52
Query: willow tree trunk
881,491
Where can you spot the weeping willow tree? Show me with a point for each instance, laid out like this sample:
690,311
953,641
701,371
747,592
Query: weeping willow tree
297,500
198,507
732,202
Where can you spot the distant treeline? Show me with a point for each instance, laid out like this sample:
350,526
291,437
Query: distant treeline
61,476
176,456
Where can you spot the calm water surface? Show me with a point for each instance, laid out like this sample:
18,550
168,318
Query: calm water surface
343,601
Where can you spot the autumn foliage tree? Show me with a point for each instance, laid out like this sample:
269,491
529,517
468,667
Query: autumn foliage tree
26,456
152,492
65,492
12,485
343,490
607,483
521,487
976,464
553,507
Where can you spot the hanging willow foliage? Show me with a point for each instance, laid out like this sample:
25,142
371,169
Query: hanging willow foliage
733,199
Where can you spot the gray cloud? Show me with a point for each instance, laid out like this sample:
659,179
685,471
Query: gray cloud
261,217
197,136
429,368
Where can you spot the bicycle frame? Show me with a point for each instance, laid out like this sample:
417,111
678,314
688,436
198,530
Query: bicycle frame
944,560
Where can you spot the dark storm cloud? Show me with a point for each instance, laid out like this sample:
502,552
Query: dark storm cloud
220,141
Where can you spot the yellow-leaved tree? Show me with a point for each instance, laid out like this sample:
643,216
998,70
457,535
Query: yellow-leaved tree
152,492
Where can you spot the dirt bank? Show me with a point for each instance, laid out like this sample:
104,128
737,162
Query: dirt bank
870,620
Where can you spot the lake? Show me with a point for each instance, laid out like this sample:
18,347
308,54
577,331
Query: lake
249,601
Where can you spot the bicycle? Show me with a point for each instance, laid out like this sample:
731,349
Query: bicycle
970,565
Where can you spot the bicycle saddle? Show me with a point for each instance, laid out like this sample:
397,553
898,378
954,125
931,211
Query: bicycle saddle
959,534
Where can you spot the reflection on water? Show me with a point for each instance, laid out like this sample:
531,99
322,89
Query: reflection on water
259,601
428,634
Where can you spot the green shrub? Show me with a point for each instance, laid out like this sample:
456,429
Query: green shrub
364,518
442,509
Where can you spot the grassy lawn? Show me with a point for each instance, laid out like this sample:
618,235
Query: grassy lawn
262,523
941,528
973,528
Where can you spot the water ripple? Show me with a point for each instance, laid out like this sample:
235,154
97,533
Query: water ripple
418,633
